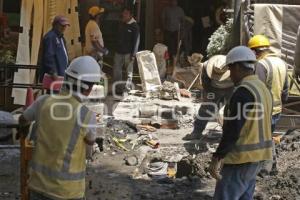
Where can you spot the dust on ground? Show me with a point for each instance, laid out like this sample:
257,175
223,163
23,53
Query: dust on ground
109,178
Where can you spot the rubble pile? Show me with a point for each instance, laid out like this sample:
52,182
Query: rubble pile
169,91
285,185
290,142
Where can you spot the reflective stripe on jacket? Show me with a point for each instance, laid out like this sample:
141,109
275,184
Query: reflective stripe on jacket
276,75
58,164
255,141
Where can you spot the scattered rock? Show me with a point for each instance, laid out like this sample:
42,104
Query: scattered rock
131,160
275,197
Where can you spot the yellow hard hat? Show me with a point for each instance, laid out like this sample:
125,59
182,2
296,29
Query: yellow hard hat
258,41
95,10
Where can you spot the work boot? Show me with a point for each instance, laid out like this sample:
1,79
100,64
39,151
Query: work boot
274,170
192,136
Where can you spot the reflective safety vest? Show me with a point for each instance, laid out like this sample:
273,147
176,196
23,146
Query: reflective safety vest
276,77
255,140
58,164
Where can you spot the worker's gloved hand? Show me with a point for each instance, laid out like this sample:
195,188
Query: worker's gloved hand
214,168
105,51
54,76
132,57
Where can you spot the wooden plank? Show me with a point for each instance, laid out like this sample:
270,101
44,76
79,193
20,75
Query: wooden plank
37,30
23,52
36,34
70,31
76,28
49,14
1,6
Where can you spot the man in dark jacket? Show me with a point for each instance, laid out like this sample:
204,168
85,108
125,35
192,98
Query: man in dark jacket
54,52
246,141
127,46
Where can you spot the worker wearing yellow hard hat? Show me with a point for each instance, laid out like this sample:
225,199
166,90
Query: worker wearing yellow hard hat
258,41
95,10
94,44
272,70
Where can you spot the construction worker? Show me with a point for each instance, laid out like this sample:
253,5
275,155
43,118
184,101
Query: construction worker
272,70
217,87
64,128
172,18
246,140
94,45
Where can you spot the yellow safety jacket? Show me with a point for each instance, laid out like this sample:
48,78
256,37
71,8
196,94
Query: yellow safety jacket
255,141
58,164
276,76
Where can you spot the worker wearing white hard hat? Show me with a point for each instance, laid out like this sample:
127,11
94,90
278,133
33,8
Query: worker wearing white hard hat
64,129
246,141
217,88
94,44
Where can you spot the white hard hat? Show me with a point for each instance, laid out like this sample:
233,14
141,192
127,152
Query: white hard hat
240,54
84,69
216,68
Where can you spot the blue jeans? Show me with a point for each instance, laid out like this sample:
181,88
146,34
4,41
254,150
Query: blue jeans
121,60
37,196
238,182
275,119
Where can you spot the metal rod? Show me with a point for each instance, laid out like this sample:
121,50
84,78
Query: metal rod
193,82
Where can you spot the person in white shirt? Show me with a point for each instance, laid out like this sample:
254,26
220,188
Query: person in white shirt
94,44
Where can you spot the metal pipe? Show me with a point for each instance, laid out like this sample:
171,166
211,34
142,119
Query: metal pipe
9,146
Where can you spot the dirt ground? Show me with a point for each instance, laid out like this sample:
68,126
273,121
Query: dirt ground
109,178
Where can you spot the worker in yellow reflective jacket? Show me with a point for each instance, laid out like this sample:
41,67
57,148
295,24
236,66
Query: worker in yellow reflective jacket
64,128
272,70
246,141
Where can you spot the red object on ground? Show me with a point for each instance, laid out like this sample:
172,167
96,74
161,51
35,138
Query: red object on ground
29,97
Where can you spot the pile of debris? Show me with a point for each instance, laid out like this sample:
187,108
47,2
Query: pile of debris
286,184
124,136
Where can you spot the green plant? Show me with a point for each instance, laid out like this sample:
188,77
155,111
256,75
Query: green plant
6,57
220,40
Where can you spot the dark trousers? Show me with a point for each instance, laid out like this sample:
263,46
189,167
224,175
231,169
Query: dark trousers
213,101
171,40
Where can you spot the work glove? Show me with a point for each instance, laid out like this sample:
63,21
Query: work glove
128,85
105,51
214,168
